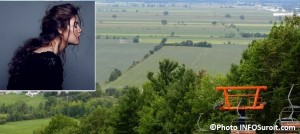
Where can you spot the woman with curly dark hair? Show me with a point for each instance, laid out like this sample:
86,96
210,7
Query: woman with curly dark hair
37,65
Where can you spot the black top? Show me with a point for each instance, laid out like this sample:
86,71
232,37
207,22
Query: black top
41,71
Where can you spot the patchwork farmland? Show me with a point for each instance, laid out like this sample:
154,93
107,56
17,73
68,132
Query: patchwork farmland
118,24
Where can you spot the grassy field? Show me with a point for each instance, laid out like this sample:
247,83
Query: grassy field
12,98
23,127
215,60
111,54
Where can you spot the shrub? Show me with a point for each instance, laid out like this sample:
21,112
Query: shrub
114,75
164,22
146,56
2,120
136,39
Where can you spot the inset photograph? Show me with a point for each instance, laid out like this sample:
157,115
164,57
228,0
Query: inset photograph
47,45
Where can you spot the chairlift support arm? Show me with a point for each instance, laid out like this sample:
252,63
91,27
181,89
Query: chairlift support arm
228,106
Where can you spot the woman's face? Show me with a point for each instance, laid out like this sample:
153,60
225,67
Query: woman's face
73,31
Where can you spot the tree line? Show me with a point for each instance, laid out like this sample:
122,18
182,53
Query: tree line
169,102
72,104
190,43
259,35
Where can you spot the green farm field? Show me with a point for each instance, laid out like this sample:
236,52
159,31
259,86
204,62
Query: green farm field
216,60
23,127
187,23
194,23
111,54
12,98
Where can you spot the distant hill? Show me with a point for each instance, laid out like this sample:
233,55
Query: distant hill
290,5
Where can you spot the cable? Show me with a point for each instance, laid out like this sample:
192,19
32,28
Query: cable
279,89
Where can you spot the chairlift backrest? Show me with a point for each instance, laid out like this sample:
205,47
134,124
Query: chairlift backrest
255,102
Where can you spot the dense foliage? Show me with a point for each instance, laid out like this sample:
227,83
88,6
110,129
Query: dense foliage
114,75
190,43
274,62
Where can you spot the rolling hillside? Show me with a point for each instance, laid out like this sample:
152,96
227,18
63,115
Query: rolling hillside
215,60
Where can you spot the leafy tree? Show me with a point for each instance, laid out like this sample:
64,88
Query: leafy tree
203,44
164,22
126,113
168,98
110,91
174,97
164,41
114,75
136,39
98,37
60,124
166,13
273,61
172,34
83,96
146,56
214,23
242,17
157,47
74,109
151,52
48,94
187,43
227,16
20,111
3,120
97,122
98,91
50,102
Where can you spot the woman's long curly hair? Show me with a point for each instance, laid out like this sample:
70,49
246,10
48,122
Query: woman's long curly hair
58,17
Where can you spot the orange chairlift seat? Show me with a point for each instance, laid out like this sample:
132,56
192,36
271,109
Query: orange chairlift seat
233,102
255,102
